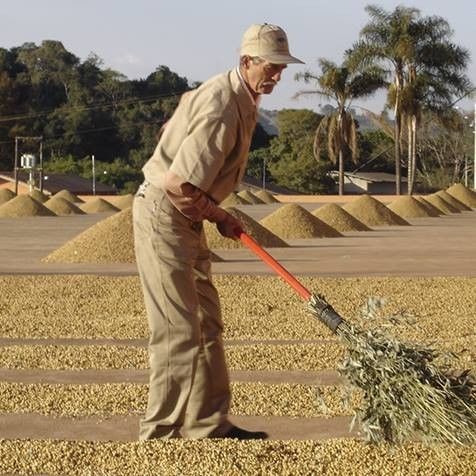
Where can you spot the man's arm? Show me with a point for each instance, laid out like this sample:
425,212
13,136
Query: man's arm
196,205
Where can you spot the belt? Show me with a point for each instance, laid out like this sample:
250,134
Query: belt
195,225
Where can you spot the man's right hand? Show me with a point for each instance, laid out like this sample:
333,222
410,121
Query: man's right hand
230,227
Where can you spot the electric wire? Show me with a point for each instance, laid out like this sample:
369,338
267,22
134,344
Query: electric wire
104,105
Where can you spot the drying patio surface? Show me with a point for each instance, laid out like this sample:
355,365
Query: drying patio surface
73,344
436,246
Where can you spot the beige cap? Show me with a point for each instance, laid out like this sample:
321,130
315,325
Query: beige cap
268,42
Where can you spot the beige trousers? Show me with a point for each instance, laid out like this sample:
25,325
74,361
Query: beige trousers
189,390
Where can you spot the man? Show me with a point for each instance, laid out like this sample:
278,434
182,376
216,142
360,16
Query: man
200,159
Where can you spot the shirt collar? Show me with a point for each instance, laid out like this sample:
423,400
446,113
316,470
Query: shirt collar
256,101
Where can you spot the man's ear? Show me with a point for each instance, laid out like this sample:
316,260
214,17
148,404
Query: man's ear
245,61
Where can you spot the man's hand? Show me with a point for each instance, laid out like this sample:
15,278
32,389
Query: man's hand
229,226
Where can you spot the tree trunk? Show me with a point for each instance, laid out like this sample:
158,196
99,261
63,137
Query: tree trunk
411,184
341,152
409,155
398,170
341,172
398,128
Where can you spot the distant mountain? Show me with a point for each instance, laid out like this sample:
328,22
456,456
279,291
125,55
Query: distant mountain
267,119
365,123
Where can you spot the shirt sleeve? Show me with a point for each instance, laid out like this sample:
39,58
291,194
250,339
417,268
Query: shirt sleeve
189,200
203,152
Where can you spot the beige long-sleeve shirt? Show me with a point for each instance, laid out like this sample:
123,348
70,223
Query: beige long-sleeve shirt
202,153
192,202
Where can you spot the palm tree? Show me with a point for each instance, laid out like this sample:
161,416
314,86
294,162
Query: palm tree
340,85
386,39
434,76
427,70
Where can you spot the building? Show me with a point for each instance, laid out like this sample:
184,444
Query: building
53,183
254,184
373,183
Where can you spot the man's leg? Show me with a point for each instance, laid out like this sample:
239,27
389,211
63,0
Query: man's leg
164,251
208,406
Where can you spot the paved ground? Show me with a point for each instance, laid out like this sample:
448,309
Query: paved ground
442,246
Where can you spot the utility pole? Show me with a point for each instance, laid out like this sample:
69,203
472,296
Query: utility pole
15,168
465,170
41,166
18,141
474,132
264,174
94,175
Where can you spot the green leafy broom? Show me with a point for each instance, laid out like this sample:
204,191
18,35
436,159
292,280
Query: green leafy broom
406,396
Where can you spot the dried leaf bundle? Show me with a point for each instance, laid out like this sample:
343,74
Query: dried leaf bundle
406,395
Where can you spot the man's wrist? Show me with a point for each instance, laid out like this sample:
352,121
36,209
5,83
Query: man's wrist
216,215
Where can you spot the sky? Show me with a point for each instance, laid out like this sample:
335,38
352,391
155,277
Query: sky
198,39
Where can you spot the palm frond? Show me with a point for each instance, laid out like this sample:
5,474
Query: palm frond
333,139
362,54
350,136
326,65
315,92
366,83
318,137
306,76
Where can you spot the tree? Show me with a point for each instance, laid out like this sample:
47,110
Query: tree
164,81
52,70
258,155
113,87
434,76
386,39
426,70
376,146
340,84
289,158
446,143
258,164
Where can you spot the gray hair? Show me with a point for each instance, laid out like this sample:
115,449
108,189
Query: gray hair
254,59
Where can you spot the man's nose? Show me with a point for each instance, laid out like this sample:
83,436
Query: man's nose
277,77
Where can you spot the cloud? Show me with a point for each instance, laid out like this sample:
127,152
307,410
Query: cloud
128,59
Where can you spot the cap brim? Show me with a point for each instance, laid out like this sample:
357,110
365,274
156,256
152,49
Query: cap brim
282,59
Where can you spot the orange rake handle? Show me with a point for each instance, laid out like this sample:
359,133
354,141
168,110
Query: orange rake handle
317,304
270,261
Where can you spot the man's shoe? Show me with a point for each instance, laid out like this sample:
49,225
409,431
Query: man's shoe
241,434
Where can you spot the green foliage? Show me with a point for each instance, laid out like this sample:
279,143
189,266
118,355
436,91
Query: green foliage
341,84
65,165
258,156
80,109
296,122
427,70
257,159
289,160
376,151
446,147
120,174
298,170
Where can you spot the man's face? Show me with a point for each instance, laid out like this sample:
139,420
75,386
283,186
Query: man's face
262,76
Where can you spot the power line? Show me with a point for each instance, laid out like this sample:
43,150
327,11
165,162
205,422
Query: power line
469,92
48,139
104,105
